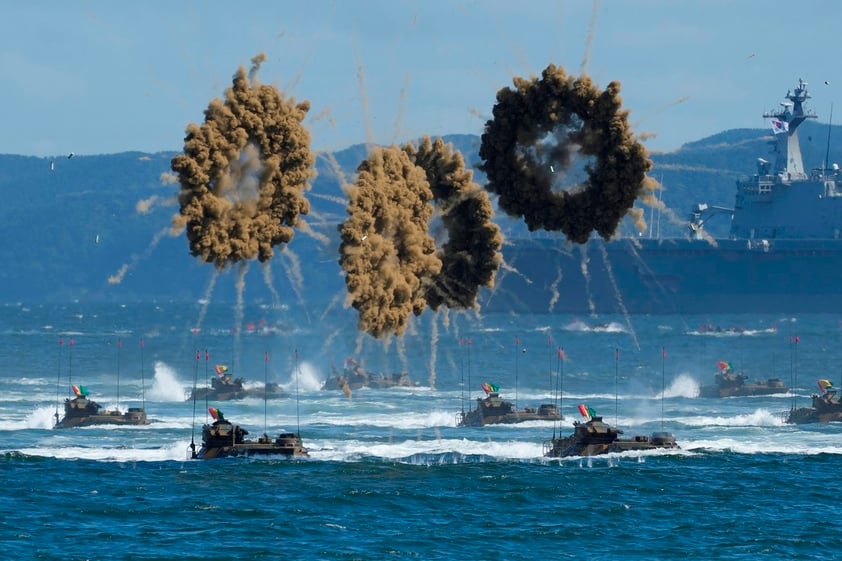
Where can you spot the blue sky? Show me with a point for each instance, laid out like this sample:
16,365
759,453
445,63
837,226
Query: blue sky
98,77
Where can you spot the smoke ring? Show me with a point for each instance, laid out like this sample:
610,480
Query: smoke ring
552,116
243,173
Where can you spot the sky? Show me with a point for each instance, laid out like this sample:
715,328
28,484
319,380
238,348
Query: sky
106,76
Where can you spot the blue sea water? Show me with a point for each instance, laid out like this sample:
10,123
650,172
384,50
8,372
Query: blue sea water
390,475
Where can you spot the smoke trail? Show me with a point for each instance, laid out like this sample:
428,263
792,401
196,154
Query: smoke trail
583,267
267,279
369,134
625,312
434,344
239,310
401,109
118,277
554,289
144,206
205,301
589,41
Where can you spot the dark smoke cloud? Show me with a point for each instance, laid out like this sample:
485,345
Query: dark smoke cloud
471,255
393,268
540,126
244,172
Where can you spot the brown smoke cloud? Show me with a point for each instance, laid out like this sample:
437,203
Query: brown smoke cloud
386,250
393,268
244,172
542,125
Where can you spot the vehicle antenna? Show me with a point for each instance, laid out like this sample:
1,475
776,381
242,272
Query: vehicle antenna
142,380
58,376
193,421
616,385
297,412
265,389
663,384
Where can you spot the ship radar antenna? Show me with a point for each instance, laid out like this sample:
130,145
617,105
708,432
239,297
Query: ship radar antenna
826,165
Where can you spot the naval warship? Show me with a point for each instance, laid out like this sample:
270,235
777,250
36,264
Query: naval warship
785,234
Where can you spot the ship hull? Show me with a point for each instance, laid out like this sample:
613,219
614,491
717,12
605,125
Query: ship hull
648,276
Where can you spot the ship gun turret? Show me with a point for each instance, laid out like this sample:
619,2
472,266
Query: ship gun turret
700,214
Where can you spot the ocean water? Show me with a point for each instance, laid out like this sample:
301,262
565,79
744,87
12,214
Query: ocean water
390,475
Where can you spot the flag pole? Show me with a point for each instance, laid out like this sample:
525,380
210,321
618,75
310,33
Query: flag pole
616,386
663,384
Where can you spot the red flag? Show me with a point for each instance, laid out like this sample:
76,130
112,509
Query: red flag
517,342
60,341
207,355
71,342
470,341
119,343
198,355
797,339
266,357
663,352
561,354
141,343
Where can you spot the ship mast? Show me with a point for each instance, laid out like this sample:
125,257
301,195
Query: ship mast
785,122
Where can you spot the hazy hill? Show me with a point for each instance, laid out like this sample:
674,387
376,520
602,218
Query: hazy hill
70,224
